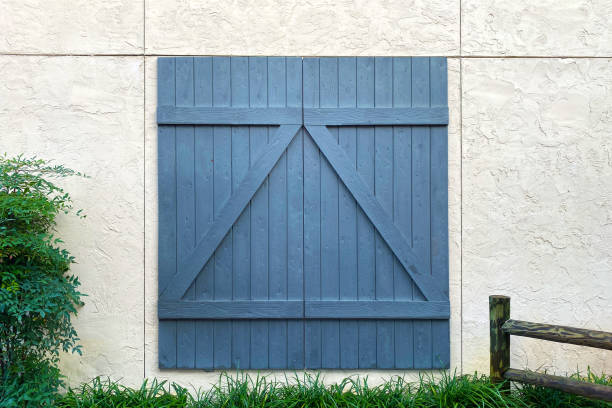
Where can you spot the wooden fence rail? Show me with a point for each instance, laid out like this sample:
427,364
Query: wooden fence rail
501,327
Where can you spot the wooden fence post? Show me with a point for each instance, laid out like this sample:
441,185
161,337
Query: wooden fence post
499,312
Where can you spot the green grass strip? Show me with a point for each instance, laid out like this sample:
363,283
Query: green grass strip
308,390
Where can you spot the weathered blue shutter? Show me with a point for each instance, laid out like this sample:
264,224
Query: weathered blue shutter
229,279
375,216
323,247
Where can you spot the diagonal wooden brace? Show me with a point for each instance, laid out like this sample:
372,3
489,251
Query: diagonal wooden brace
189,268
431,289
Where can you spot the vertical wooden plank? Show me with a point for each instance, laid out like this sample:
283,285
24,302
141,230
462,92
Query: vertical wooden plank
347,208
204,285
185,168
330,279
167,344
258,97
402,177
383,190
222,193
166,150
241,276
277,92
312,218
365,230
402,206
185,90
295,219
421,202
439,207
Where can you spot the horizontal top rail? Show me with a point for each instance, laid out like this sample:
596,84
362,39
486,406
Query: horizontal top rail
559,334
206,115
201,115
375,116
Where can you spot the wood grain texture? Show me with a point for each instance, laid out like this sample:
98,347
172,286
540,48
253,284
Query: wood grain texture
241,230
412,263
499,313
376,309
421,201
347,218
383,190
199,115
304,248
235,309
277,221
204,185
440,329
585,389
260,252
207,165
559,334
185,211
166,152
312,218
330,211
383,157
375,116
191,266
222,193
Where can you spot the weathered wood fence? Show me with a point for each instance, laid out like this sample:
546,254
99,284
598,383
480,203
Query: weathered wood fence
501,327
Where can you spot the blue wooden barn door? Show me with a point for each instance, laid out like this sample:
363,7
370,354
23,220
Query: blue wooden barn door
230,196
303,213
375,213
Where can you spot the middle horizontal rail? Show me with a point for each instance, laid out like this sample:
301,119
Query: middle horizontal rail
297,309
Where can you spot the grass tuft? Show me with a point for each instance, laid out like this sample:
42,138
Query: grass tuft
308,390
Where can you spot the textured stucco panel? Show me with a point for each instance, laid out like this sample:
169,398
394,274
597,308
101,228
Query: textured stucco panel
536,28
207,379
537,203
313,27
86,113
71,26
454,210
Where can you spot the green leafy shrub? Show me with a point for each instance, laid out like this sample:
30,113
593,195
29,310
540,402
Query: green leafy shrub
37,295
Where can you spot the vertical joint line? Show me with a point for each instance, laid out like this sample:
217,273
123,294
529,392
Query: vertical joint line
303,232
144,190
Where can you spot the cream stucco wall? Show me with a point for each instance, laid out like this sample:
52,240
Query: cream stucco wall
87,112
530,156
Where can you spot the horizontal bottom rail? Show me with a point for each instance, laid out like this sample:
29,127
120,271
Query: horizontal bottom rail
297,309
560,334
585,389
